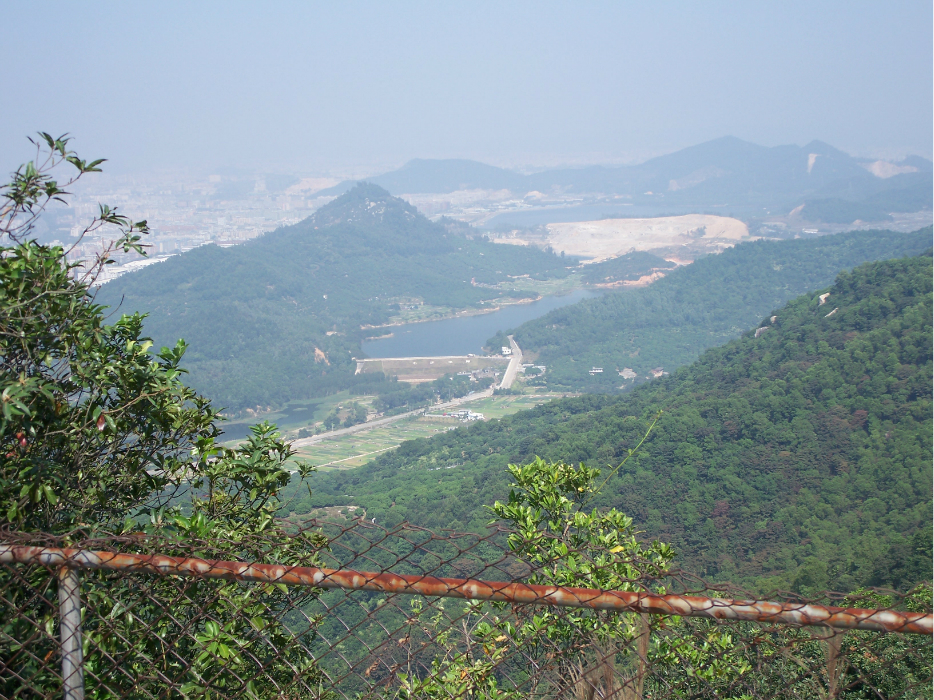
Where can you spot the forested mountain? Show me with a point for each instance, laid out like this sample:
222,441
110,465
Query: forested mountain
707,303
799,458
725,171
258,316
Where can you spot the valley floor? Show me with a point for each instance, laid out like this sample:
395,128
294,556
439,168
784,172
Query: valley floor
355,449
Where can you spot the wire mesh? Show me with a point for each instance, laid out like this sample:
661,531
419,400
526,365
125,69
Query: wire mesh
349,609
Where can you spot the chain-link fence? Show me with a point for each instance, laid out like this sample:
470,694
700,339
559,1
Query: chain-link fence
408,613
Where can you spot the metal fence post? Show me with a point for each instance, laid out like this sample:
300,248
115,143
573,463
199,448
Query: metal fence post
834,663
69,608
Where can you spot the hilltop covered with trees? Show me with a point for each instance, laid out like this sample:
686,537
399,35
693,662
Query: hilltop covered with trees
799,458
255,314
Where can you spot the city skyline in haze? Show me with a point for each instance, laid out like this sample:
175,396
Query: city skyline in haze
362,88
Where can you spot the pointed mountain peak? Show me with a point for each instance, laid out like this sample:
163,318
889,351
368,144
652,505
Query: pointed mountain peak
364,202
825,149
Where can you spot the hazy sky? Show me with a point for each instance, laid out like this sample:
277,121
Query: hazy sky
329,86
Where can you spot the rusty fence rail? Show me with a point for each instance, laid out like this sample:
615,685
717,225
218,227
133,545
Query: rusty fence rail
470,589
146,624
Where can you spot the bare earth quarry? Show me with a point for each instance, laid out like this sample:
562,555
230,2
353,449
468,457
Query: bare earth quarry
675,236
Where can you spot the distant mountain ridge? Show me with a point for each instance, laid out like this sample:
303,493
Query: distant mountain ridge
439,176
727,170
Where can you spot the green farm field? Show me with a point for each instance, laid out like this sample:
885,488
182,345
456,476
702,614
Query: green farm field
499,406
356,449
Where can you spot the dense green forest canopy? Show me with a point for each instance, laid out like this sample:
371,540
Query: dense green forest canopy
698,306
799,458
254,314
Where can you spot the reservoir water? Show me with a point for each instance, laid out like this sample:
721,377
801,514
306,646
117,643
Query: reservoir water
466,334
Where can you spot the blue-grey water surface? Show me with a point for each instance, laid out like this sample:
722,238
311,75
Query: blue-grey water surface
466,334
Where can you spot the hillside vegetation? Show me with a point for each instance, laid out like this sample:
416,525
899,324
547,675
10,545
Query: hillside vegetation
702,305
800,458
257,316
